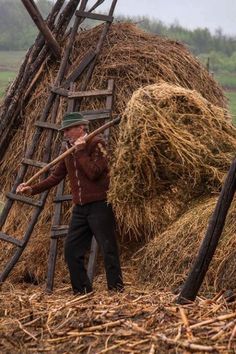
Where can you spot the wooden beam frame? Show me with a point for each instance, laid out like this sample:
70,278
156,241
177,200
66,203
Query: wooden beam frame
42,26
94,16
210,242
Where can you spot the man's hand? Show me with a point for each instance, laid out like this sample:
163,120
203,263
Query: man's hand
80,143
24,188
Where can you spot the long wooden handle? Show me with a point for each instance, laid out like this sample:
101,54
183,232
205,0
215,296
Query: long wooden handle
69,151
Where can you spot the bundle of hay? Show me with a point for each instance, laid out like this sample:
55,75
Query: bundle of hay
173,146
166,260
134,59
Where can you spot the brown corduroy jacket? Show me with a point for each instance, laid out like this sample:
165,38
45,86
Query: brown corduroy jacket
87,170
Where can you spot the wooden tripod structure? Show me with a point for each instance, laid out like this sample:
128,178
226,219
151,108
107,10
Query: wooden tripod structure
63,86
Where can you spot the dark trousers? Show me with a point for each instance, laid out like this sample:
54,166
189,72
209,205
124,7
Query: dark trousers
87,220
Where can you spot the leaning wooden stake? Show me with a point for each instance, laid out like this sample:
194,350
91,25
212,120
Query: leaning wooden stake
42,26
210,242
69,151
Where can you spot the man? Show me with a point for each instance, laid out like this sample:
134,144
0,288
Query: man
87,169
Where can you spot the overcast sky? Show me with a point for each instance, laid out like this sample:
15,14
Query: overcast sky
212,14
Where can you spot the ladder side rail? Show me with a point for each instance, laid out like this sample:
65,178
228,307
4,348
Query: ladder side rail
94,246
93,255
109,105
92,56
97,51
56,220
47,155
54,241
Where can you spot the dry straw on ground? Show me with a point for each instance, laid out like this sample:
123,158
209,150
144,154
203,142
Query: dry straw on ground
136,321
166,260
173,146
134,59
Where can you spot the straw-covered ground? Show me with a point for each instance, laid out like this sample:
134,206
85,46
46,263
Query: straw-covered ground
136,321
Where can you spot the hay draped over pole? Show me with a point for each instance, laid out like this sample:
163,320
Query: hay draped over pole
173,144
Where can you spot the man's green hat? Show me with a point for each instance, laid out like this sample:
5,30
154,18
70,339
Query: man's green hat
72,119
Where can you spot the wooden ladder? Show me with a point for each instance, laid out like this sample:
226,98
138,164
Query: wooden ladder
87,64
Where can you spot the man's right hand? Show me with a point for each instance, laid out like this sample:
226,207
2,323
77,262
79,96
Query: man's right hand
24,188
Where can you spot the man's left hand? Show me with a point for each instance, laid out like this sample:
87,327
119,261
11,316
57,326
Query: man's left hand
80,143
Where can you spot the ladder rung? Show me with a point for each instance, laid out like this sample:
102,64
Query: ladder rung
98,116
33,163
10,239
94,16
63,198
93,93
23,199
59,230
95,111
47,125
80,94
60,91
59,227
59,233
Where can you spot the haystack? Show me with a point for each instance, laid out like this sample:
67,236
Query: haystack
173,146
134,59
166,260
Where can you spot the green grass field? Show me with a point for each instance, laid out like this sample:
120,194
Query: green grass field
226,80
9,66
11,60
6,77
231,95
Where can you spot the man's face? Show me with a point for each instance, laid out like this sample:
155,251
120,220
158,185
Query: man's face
73,133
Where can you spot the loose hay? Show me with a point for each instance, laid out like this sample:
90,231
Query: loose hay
166,260
173,146
134,59
134,322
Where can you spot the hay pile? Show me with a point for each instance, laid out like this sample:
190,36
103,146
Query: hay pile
130,56
173,146
166,259
136,321
134,59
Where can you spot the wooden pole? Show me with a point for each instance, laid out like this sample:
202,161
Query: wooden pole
210,242
69,151
42,26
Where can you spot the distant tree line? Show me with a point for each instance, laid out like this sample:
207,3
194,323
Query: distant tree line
219,48
18,32
200,40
